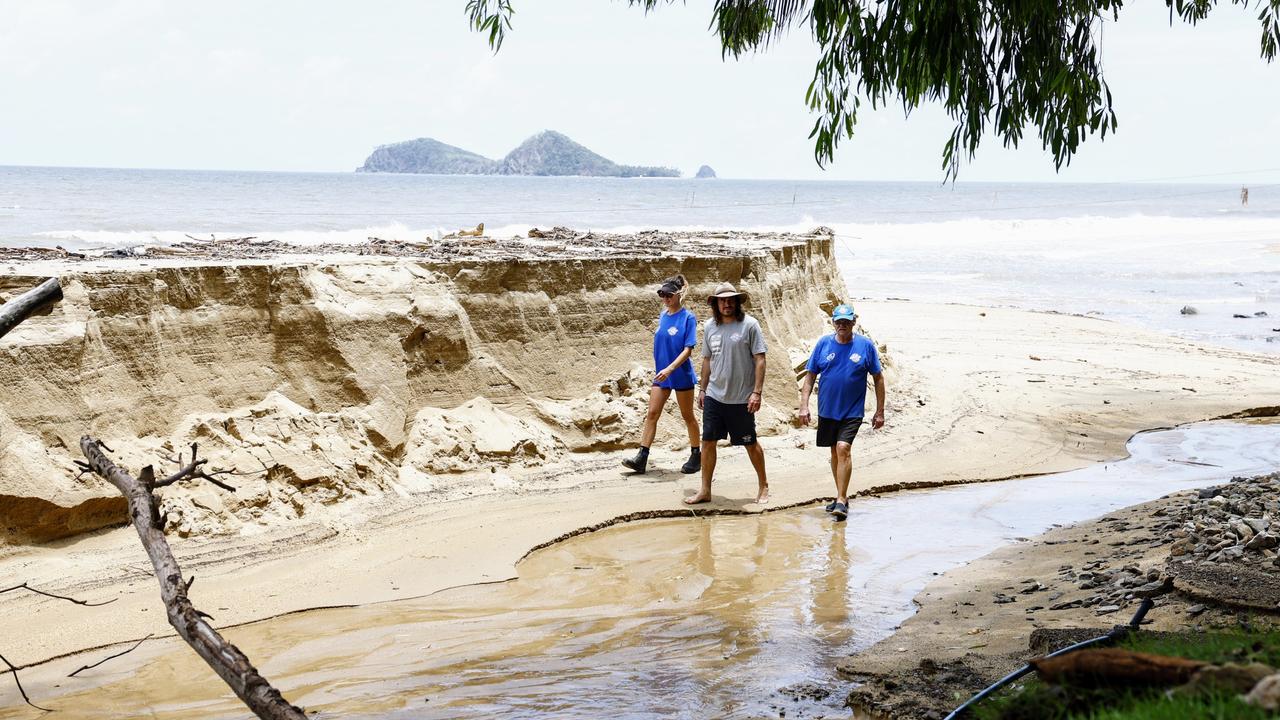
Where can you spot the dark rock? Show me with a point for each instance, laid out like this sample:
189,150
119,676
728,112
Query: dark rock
1188,310
1154,589
1232,584
1261,542
1046,640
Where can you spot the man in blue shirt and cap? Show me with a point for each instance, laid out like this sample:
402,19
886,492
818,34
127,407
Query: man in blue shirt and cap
840,363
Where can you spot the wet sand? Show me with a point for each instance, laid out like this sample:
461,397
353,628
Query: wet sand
700,617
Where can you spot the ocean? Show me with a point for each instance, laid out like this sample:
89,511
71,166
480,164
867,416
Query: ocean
1135,252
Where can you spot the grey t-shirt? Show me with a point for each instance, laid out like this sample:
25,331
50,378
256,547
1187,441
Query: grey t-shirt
732,348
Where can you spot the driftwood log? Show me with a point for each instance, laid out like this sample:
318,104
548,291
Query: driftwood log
1111,667
21,307
226,659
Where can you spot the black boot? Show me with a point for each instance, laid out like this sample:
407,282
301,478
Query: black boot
694,463
638,462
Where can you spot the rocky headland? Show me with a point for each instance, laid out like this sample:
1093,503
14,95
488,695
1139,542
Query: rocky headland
547,153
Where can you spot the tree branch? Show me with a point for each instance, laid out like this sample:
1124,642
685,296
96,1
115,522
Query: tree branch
27,587
226,659
193,471
21,307
18,682
113,657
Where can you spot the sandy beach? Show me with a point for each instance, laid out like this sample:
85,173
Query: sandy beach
424,424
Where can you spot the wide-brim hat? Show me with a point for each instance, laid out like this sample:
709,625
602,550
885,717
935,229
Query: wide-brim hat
726,290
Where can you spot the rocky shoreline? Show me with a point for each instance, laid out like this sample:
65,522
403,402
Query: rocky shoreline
1207,557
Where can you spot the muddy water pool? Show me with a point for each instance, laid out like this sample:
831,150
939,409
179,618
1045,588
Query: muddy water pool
696,617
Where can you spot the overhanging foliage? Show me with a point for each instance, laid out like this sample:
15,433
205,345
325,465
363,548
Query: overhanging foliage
993,65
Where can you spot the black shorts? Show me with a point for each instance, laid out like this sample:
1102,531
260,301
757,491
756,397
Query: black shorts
720,420
831,431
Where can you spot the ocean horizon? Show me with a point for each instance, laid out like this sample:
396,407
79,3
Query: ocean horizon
1137,252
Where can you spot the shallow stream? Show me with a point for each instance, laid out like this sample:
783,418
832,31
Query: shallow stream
697,617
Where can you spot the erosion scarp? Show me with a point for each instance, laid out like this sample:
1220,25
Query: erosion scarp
337,377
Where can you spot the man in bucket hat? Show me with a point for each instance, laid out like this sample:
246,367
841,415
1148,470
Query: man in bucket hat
840,362
731,387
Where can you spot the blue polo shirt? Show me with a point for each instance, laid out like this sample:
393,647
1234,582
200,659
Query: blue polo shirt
842,375
675,333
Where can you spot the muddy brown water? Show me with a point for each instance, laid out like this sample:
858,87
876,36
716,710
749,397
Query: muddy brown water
721,617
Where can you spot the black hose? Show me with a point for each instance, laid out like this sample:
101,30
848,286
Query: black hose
1116,633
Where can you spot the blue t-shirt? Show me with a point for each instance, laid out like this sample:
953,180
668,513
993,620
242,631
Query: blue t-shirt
675,333
842,375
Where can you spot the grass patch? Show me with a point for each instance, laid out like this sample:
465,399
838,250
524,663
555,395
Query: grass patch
1034,700
1216,647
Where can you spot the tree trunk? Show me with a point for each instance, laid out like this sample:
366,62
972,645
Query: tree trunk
226,659
19,308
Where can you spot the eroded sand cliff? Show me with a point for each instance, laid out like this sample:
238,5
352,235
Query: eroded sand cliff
349,377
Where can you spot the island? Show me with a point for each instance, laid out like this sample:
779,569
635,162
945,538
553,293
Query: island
547,153
705,172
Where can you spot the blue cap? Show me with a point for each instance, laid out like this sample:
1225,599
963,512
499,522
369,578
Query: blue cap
843,312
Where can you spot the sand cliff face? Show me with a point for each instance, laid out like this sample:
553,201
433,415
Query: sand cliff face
349,378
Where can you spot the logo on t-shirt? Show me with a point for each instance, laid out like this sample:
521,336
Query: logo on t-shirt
735,337
855,358
671,330
831,356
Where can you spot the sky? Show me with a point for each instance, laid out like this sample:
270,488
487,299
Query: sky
290,85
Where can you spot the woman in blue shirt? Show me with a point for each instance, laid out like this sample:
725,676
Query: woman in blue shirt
673,343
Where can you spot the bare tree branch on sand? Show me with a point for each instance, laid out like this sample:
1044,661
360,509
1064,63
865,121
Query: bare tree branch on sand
226,659
13,668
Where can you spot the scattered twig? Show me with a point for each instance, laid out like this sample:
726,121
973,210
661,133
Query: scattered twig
86,603
113,657
1194,462
18,682
191,471
83,468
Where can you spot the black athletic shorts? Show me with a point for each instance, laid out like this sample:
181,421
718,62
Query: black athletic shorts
831,431
720,420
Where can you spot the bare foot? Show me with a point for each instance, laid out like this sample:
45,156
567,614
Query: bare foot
763,497
699,498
